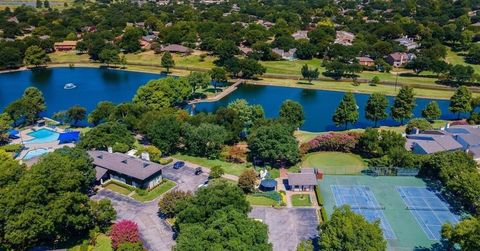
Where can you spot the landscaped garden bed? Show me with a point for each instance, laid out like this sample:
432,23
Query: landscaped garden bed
119,187
144,195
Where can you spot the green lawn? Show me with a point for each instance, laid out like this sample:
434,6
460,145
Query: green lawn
301,200
103,243
230,168
261,201
157,191
334,162
119,188
455,58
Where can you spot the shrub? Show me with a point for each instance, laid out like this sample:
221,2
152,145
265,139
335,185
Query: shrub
339,142
124,231
247,180
120,147
166,161
12,148
216,172
128,246
420,124
168,203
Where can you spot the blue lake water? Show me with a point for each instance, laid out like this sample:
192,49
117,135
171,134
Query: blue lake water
95,85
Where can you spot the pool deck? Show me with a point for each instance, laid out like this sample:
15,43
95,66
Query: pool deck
50,146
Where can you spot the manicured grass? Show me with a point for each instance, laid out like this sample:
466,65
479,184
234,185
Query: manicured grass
154,193
455,58
261,201
335,162
301,200
230,168
304,136
103,243
119,188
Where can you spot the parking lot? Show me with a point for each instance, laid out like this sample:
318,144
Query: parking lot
185,177
287,226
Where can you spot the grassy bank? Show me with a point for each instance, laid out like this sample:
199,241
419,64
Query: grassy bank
281,73
230,168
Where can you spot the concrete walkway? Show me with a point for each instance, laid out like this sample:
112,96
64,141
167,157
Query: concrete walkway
220,95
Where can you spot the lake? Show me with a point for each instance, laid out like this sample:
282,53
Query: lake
95,85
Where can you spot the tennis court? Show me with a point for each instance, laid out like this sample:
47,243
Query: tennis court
378,198
362,201
428,209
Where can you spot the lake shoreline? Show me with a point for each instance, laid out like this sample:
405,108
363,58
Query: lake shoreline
317,85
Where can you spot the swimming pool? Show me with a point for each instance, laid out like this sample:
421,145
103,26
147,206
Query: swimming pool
35,153
42,136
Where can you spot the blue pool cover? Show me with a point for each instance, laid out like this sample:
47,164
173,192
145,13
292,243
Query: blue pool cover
68,137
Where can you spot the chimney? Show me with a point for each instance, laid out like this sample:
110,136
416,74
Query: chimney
110,149
145,156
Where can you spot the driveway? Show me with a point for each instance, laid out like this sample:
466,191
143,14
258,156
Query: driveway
155,233
287,226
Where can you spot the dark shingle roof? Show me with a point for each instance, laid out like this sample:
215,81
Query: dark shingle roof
302,179
125,164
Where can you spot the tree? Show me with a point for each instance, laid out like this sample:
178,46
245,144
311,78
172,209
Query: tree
130,40
274,143
205,140
167,61
168,203
432,111
101,112
347,111
248,114
46,4
305,50
247,180
33,104
347,230
103,213
164,132
419,64
309,74
216,172
291,112
460,101
418,123
5,124
36,56
219,204
124,231
10,57
250,68
109,56
162,93
464,234
305,245
106,135
198,80
375,110
76,113
375,81
218,75
225,49
461,73
403,104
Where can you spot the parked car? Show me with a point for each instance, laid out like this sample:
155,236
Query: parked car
198,171
178,165
205,184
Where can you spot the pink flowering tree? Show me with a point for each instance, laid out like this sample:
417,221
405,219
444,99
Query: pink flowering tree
124,231
340,142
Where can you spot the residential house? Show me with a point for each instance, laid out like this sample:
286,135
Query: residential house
301,34
176,48
245,50
407,42
44,37
450,138
289,55
306,180
13,20
124,168
397,59
344,38
265,24
66,45
365,61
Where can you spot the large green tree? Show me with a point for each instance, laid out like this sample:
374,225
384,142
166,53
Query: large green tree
218,75
106,135
460,102
167,61
5,123
205,140
347,230
101,112
291,112
346,112
274,143
164,132
375,110
75,114
161,93
403,104
36,56
464,234
248,114
33,104
198,80
432,111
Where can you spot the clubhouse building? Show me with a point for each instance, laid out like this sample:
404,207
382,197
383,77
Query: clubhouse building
127,169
